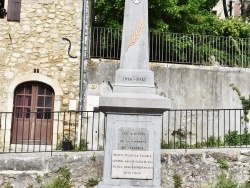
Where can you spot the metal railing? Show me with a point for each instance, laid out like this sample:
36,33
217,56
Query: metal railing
189,129
176,48
206,128
60,133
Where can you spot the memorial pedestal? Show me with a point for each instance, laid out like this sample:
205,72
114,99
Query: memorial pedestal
132,143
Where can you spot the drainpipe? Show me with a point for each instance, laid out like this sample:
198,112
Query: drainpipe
225,8
81,84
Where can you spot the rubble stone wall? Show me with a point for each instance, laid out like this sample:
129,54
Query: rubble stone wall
197,168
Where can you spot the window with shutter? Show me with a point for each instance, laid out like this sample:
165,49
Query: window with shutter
2,9
14,10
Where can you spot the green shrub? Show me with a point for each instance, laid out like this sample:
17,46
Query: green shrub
232,138
213,141
165,145
199,145
64,173
91,183
225,182
59,182
62,180
224,164
83,146
8,185
245,137
177,181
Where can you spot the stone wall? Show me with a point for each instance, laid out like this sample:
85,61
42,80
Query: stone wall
36,43
34,50
188,86
196,168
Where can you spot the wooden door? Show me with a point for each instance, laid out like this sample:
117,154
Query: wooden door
33,114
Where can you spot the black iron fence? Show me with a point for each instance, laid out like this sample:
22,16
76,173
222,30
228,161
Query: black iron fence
59,131
85,131
176,48
215,128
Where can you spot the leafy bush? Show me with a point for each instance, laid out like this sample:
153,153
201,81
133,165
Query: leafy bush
165,145
83,146
232,138
225,182
214,142
224,164
91,183
177,181
62,180
245,137
8,185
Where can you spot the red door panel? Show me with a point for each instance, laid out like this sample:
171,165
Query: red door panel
33,114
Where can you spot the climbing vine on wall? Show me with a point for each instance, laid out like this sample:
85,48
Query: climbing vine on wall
244,102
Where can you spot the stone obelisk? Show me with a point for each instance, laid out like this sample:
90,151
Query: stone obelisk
133,111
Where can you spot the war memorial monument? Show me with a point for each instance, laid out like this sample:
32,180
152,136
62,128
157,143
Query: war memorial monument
133,111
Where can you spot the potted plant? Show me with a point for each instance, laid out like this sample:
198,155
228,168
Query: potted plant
67,144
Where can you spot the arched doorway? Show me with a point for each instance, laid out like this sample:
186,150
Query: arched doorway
33,114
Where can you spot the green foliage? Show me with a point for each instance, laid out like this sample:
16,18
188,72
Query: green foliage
83,146
62,180
38,179
234,28
177,181
225,182
224,164
8,185
213,142
91,183
165,145
183,16
232,138
100,148
178,16
199,145
64,172
93,157
46,175
164,15
58,182
245,137
244,102
65,155
59,146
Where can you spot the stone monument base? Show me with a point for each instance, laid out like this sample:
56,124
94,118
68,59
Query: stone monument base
134,102
132,143
110,186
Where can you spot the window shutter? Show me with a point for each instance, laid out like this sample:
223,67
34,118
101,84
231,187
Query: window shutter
14,10
1,4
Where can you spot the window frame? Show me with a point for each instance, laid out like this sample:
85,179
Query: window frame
3,12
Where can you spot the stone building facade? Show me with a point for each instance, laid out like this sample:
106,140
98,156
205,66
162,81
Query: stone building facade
38,70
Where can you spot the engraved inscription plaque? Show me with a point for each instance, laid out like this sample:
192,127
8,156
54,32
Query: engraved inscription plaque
132,164
133,138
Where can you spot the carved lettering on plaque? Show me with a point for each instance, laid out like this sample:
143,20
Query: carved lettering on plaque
133,138
132,164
